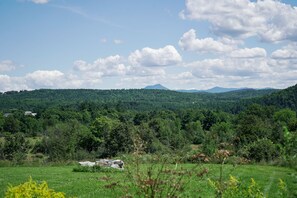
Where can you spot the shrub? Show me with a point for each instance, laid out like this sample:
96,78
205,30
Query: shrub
262,149
233,188
15,147
94,169
32,189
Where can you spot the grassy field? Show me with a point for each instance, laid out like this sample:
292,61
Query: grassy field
114,184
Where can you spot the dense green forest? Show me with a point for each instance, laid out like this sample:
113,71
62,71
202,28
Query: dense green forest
252,125
135,99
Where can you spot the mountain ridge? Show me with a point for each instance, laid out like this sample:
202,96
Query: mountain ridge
215,89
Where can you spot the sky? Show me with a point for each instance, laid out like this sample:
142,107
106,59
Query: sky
116,44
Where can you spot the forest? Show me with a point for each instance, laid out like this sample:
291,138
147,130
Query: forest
252,125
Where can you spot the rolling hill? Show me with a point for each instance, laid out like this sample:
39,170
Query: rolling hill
138,99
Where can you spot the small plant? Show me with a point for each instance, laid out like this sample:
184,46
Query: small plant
155,177
233,188
282,189
32,189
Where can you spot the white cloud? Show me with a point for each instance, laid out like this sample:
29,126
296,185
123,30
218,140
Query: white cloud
268,19
117,41
144,71
103,40
109,66
183,75
45,79
40,1
150,57
248,53
236,67
189,42
141,81
284,59
6,65
287,52
8,83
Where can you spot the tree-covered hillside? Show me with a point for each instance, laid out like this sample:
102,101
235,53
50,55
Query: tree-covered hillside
88,124
138,99
286,98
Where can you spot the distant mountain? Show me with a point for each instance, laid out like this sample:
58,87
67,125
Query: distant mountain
222,89
157,86
212,90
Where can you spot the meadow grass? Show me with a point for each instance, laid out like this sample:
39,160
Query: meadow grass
116,183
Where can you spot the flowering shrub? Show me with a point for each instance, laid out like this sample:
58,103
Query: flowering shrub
235,189
32,189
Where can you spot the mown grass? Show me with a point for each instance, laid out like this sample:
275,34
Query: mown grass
114,184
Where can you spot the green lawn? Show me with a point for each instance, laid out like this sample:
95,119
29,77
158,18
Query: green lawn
85,184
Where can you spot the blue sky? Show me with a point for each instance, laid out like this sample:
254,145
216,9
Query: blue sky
112,44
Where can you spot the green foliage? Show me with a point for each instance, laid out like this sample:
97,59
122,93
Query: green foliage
233,188
223,132
156,179
11,124
254,123
1,121
30,126
61,141
102,126
286,118
118,141
194,132
15,147
262,150
283,99
209,119
95,169
101,123
283,189
32,189
209,146
290,145
138,99
289,148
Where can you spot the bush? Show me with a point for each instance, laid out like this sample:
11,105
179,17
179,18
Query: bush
233,188
262,150
95,169
32,189
15,147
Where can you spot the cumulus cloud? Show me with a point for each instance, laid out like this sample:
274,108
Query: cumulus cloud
150,57
8,83
240,67
284,58
109,66
248,53
189,42
269,20
45,78
40,1
6,65
114,66
287,52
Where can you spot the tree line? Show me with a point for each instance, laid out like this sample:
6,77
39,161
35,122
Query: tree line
93,130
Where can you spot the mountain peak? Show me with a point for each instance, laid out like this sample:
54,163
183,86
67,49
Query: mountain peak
156,86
